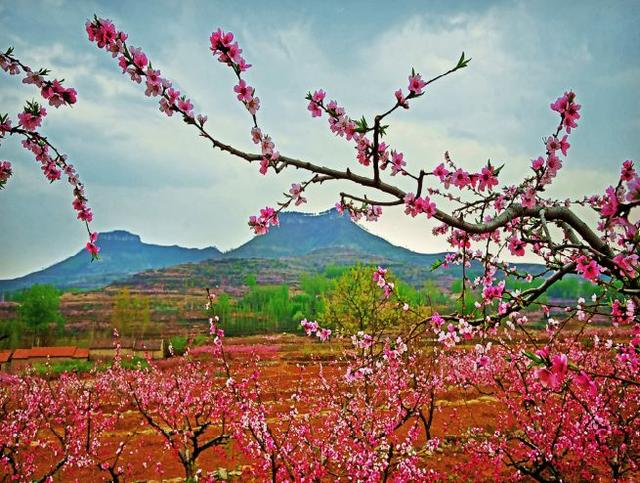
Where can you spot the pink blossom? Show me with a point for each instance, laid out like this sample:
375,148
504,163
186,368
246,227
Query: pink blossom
554,376
627,173
253,104
529,198
310,327
91,246
416,84
588,268
102,31
538,163
315,101
397,163
516,246
324,334
5,172
379,276
401,99
256,135
373,213
296,194
609,206
244,91
31,118
139,58
487,179
58,95
260,224
186,107
564,145
627,263
461,178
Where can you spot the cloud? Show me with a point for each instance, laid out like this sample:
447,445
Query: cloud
155,176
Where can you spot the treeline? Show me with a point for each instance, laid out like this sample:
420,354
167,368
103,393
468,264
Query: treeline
39,320
277,308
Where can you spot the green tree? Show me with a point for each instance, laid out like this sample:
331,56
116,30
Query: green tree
356,303
11,333
39,310
131,314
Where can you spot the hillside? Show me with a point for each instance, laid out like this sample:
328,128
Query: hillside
231,273
303,243
302,233
121,255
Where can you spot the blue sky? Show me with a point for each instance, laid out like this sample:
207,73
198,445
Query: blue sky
153,176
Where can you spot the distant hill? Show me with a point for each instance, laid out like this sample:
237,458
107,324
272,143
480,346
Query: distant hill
302,243
232,273
301,234
121,254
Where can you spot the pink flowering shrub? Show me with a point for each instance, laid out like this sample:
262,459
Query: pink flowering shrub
366,423
572,412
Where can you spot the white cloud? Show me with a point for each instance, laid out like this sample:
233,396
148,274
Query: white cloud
154,175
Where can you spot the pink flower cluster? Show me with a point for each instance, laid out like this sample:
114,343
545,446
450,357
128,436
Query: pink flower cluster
104,33
623,313
492,292
416,205
315,103
296,194
53,91
379,277
516,246
41,153
260,224
460,178
134,62
5,172
269,153
312,328
547,168
227,51
245,94
588,268
568,110
56,94
92,247
553,376
31,118
53,164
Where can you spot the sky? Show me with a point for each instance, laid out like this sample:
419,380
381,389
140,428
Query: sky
153,176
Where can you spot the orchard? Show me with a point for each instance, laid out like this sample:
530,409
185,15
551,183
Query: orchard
566,394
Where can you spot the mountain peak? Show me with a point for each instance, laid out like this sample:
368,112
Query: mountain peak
303,233
119,235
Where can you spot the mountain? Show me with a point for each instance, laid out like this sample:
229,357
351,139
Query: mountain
302,234
121,254
302,243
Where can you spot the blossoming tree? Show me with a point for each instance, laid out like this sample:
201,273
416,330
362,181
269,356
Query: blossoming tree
571,402
486,221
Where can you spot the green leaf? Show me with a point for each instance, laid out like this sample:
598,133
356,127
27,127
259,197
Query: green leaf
462,62
534,357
